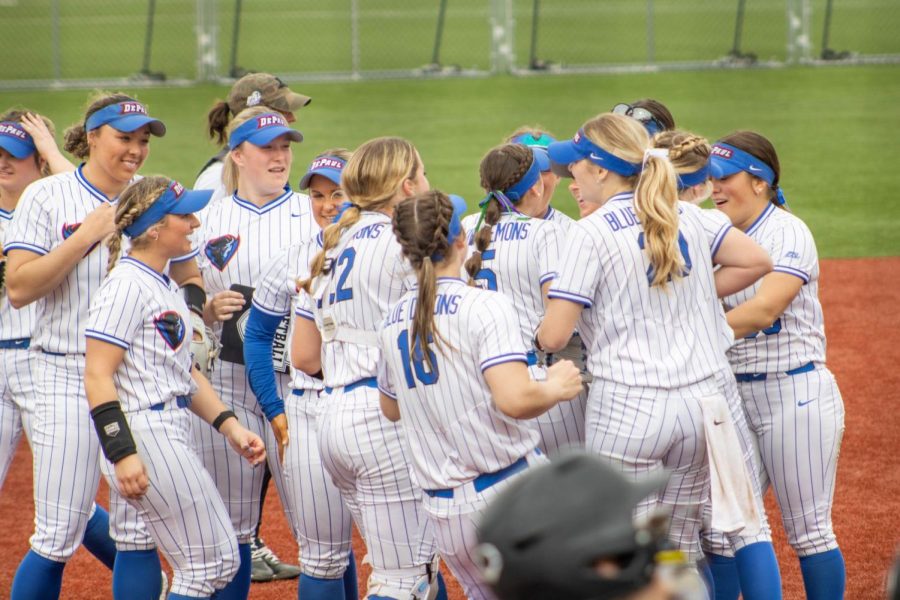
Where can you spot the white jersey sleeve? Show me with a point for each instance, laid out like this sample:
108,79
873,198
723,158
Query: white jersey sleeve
30,228
15,324
579,268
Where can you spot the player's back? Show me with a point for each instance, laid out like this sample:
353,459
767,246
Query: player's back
521,257
366,274
637,334
455,430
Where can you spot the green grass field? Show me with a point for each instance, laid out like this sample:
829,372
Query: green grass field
105,39
835,130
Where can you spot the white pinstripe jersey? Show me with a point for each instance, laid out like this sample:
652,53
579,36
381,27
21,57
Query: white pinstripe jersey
454,429
522,256
49,211
277,292
15,323
144,312
368,275
239,238
211,179
637,335
798,336
560,218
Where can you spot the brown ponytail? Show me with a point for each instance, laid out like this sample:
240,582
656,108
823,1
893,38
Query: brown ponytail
422,226
136,198
217,122
75,138
500,169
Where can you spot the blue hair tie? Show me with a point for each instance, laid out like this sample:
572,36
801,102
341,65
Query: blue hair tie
343,207
779,198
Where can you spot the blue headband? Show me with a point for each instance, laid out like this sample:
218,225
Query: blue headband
455,226
16,140
262,129
516,191
686,180
125,116
580,147
726,160
528,139
175,200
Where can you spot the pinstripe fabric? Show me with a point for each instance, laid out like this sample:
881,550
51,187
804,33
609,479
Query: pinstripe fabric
257,234
14,323
323,524
525,255
17,396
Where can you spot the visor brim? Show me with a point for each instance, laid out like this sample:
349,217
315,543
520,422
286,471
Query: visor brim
720,168
17,148
191,201
264,136
332,175
135,122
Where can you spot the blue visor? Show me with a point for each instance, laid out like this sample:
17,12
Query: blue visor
686,180
726,160
580,147
16,140
125,116
175,200
329,167
516,191
454,229
261,130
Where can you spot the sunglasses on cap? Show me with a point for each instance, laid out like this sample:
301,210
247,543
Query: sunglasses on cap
642,115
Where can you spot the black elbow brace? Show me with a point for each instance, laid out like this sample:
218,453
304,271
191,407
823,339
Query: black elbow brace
195,297
113,431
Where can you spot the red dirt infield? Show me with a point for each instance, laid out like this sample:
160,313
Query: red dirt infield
861,298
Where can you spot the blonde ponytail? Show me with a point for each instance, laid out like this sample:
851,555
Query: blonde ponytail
656,205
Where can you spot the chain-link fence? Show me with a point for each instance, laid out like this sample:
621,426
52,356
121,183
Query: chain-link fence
86,42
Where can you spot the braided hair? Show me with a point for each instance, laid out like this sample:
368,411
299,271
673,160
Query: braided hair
136,199
422,228
688,153
501,168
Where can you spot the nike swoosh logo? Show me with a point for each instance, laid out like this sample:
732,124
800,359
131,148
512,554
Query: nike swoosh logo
805,403
717,422
595,157
752,168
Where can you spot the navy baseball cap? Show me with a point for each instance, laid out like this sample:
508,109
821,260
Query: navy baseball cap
125,116
15,140
175,200
262,129
329,167
726,160
580,147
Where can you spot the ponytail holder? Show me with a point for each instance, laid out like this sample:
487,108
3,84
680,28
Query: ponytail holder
343,207
662,153
779,197
505,203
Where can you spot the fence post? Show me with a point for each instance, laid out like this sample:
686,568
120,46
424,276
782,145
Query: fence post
502,35
207,30
798,31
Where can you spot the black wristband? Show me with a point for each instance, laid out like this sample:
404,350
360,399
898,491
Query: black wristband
223,416
195,297
113,431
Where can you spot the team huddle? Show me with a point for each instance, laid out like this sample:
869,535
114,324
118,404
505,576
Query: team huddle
391,363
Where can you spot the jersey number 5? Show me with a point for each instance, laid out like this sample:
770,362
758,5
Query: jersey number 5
418,362
685,254
486,275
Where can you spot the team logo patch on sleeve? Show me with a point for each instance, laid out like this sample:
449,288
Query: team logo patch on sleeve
221,250
69,228
171,327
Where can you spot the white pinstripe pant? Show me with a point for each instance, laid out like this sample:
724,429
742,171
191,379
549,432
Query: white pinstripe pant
17,395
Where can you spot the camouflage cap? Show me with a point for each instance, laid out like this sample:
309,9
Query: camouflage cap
264,89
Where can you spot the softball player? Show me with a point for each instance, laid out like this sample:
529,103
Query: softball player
447,340
637,278
254,89
779,358
323,523
53,256
741,562
538,140
353,280
239,236
138,377
517,255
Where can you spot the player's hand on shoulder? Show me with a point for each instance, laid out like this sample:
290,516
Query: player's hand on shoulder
566,378
222,305
131,477
245,442
99,223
